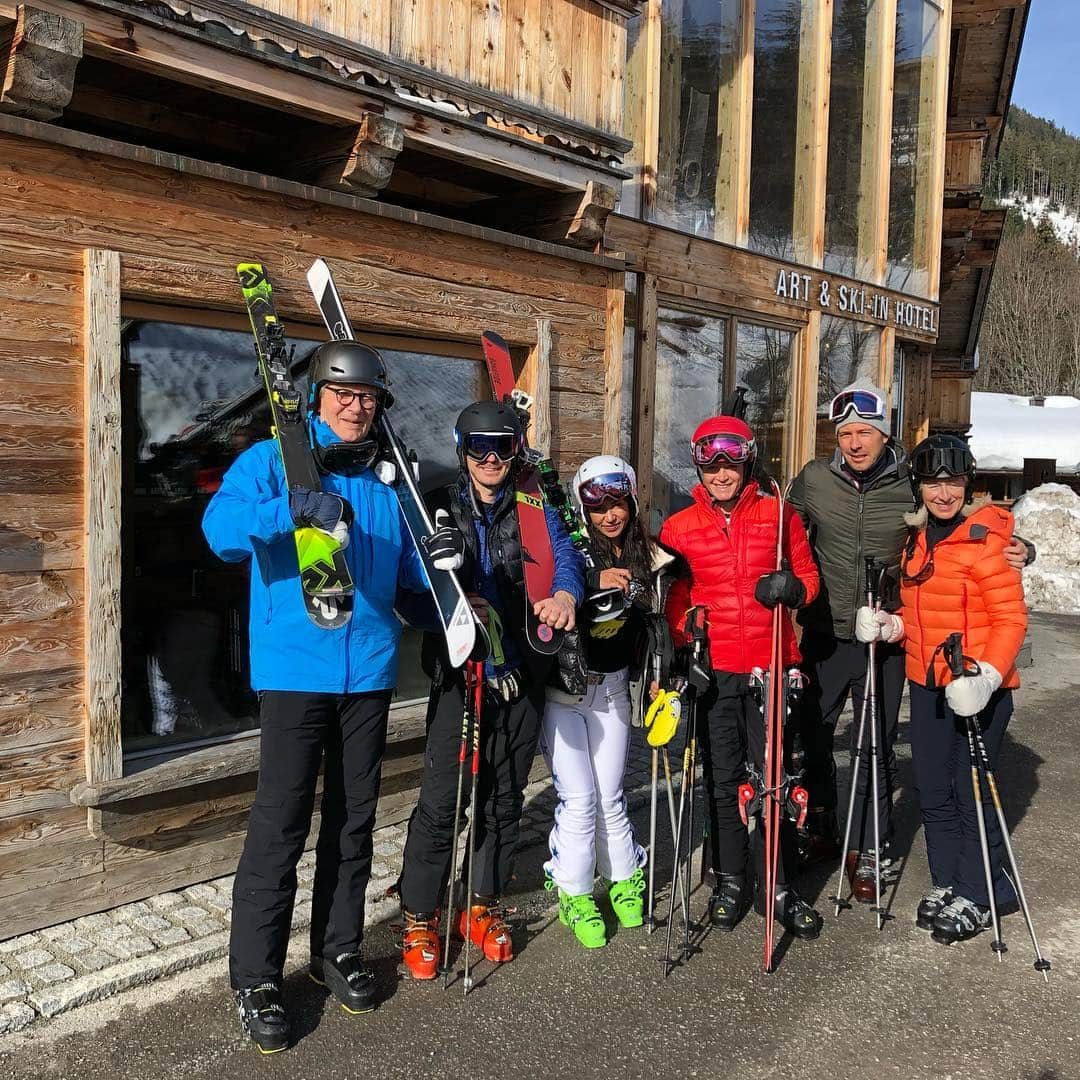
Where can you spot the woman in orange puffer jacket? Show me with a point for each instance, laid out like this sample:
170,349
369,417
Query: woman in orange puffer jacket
954,579
727,545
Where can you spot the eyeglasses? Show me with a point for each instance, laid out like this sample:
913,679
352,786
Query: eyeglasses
481,445
732,448
607,488
346,397
864,403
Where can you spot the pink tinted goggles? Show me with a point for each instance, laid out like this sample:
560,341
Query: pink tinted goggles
732,448
601,489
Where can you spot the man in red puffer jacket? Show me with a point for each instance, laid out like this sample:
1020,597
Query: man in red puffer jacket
727,543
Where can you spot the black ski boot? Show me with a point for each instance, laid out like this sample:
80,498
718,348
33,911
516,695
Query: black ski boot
931,906
348,978
797,917
959,920
262,1016
729,902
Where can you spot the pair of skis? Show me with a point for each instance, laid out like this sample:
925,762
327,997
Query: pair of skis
774,794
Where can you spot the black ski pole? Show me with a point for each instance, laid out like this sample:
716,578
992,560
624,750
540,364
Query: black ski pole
478,698
467,720
953,649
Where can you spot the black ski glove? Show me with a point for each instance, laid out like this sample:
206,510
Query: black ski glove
446,545
319,509
780,587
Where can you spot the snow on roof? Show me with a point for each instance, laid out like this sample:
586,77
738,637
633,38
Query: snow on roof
1006,428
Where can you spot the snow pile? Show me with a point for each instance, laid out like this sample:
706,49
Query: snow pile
1049,516
1066,225
1006,428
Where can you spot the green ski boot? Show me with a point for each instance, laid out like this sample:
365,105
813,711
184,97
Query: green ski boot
628,899
582,915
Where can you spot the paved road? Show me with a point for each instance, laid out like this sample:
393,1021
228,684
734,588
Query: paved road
853,1004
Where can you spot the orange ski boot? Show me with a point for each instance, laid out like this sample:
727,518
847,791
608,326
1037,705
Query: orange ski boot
490,931
420,945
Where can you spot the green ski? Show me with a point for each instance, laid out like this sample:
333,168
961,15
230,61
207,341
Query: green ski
324,574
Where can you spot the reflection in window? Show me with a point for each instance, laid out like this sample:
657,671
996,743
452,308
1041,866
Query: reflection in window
689,388
848,351
763,365
773,147
847,133
192,402
626,401
913,134
699,53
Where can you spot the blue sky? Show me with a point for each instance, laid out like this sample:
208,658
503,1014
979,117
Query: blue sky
1047,82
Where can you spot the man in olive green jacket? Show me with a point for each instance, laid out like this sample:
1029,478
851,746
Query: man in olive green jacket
853,506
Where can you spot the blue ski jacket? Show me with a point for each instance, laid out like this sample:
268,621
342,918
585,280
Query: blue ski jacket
248,518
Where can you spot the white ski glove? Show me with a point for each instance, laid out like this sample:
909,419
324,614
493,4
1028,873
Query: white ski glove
968,695
873,625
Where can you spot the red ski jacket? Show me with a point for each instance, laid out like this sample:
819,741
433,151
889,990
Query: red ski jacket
725,560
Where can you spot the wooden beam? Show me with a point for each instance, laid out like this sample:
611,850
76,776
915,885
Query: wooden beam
917,389
887,363
586,227
614,360
800,436
187,166
934,101
812,132
40,52
359,160
650,107
101,486
875,168
536,381
668,105
735,103
645,392
577,220
956,68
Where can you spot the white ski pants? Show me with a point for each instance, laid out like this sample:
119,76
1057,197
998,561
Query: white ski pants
586,746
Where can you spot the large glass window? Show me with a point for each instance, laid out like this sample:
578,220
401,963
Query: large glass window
847,134
848,351
689,388
192,402
692,383
777,25
699,54
763,365
913,136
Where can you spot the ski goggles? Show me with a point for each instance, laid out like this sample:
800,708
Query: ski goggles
732,448
608,487
864,403
481,445
942,461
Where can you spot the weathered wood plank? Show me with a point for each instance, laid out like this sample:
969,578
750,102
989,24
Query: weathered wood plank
38,778
536,380
101,488
812,132
614,349
39,53
40,708
733,132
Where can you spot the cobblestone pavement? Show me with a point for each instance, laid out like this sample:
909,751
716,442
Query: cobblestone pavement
51,971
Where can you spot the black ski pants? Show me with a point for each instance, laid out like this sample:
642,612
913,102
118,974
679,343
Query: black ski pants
939,754
508,738
836,669
298,731
731,730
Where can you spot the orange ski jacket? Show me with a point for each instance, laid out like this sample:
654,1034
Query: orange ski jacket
963,584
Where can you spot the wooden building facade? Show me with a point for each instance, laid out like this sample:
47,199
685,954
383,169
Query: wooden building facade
781,166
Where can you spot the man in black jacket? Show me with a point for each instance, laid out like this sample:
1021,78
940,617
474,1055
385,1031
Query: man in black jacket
479,527
853,506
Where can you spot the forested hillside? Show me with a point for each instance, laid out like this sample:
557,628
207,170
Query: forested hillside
1030,339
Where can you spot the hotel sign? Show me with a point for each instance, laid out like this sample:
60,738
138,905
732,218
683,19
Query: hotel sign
856,301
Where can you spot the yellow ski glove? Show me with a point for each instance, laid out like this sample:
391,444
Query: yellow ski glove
662,719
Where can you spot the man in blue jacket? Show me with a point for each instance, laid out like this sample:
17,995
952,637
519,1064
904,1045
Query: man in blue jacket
480,532
323,693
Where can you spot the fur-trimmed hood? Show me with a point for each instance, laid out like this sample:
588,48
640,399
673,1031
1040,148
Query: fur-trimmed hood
918,519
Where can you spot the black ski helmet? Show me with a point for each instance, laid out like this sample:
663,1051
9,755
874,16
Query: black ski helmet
488,418
348,362
941,456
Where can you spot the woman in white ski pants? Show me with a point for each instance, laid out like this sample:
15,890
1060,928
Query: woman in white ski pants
586,737
586,746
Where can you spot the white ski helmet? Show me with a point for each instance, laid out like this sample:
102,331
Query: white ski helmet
608,473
